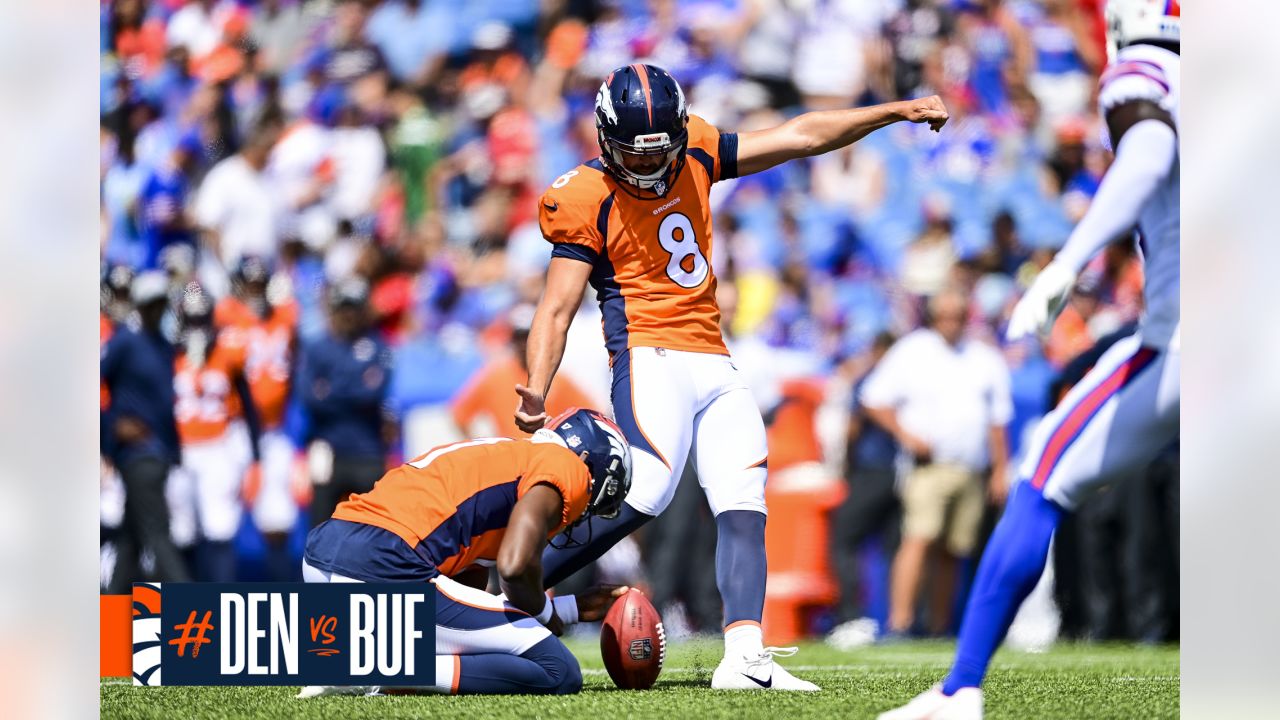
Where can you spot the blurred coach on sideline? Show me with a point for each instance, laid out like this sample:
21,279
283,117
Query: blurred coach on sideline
343,379
946,401
140,435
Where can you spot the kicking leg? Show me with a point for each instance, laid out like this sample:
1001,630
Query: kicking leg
588,543
653,404
730,457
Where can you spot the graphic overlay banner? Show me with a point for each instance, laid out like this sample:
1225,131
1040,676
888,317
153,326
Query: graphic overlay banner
283,634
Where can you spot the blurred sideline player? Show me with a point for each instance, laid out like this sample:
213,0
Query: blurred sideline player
263,312
447,516
113,310
483,406
1125,411
217,426
636,223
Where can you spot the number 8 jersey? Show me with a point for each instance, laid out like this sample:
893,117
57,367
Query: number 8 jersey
650,256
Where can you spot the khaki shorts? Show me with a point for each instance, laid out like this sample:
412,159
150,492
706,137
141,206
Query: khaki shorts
944,502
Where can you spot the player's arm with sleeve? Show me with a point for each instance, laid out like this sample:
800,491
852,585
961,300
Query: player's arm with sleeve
535,516
553,495
240,383
571,228
815,133
1146,142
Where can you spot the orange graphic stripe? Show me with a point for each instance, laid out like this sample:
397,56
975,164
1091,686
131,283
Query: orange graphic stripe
115,639
759,463
740,623
457,674
648,94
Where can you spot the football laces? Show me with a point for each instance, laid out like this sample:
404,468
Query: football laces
662,644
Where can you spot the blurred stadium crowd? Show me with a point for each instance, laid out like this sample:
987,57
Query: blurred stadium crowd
320,216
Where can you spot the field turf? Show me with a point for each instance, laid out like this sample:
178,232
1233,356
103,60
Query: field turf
1069,681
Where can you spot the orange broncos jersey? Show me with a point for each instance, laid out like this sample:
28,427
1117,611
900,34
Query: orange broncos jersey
206,398
650,256
268,354
452,504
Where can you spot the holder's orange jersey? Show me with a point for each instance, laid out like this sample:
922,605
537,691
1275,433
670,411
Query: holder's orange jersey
452,505
206,398
650,255
269,345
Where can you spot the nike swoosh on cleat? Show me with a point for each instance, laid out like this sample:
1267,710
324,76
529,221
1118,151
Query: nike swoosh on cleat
762,683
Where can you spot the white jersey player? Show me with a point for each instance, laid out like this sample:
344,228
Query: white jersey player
1125,410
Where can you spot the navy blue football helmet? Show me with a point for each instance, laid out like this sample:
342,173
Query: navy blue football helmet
608,457
641,121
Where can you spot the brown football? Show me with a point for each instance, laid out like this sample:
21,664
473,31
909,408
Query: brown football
632,642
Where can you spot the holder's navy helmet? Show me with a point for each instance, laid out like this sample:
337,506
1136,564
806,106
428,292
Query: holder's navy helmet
640,111
608,457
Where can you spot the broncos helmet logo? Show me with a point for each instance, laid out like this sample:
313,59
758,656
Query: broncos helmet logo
604,105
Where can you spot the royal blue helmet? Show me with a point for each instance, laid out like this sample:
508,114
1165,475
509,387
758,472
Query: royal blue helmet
641,125
608,457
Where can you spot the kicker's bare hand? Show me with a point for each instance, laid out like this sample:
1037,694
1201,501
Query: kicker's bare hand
925,110
531,413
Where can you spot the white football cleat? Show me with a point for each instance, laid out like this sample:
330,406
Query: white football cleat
965,704
759,673
312,691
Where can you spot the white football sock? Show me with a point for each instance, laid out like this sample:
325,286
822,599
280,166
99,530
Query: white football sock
743,640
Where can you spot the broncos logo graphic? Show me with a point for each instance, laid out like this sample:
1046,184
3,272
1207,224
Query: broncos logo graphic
146,634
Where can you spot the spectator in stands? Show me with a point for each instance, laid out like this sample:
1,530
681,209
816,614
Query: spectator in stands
414,36
347,57
343,380
163,202
946,401
1065,59
237,210
140,436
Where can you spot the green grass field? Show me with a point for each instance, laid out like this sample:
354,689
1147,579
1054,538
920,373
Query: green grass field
1069,681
